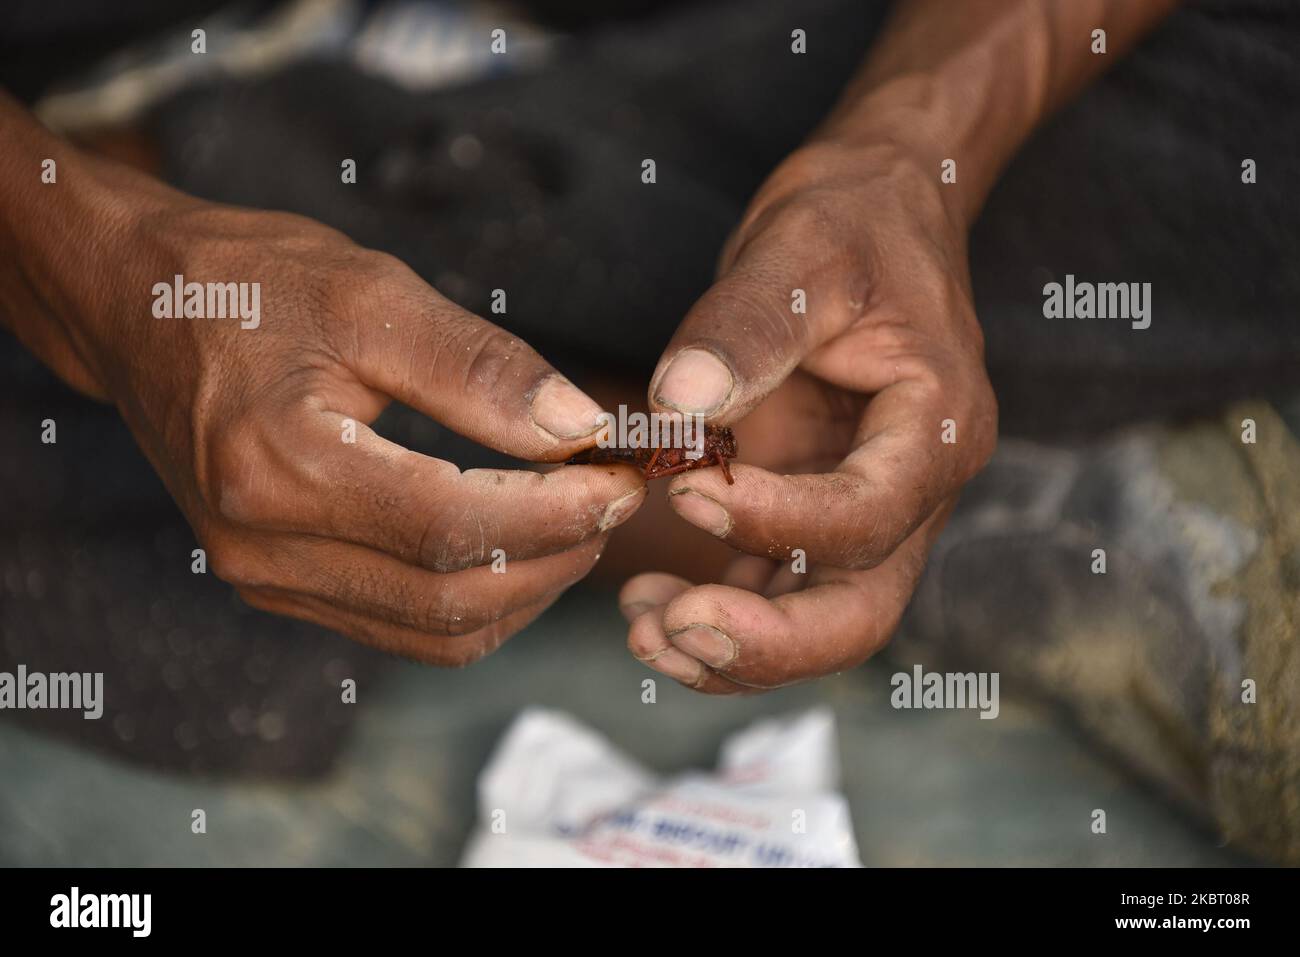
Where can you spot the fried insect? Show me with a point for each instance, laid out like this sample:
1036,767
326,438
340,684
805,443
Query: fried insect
719,448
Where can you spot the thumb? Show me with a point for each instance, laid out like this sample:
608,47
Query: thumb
786,293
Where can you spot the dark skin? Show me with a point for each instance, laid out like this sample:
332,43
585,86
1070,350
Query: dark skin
395,549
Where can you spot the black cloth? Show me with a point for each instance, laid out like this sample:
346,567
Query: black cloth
45,41
1138,181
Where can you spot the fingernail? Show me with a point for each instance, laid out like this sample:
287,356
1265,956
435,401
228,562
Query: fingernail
635,609
563,410
696,382
620,510
676,664
706,643
702,511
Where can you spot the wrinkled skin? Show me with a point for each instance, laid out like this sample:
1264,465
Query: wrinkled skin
861,418
846,408
247,426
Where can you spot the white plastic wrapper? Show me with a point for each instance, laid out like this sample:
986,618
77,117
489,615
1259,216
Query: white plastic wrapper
556,794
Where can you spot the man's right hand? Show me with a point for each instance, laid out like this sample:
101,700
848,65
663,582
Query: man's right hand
249,427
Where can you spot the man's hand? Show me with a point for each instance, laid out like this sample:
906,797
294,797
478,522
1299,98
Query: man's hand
871,408
261,433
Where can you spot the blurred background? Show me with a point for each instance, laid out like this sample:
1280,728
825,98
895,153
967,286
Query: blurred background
924,787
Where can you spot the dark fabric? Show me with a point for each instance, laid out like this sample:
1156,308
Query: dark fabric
42,42
597,265
95,576
1139,181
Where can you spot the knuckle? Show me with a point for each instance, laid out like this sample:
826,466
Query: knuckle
834,247
867,533
488,357
236,565
452,544
960,391
931,383
833,253
446,610
446,553
770,325
450,615
372,280
363,590
438,612
811,217
237,487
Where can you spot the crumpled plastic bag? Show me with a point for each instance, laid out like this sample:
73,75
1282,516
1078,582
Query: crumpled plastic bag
556,794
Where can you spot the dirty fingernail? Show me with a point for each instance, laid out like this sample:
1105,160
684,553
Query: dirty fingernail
620,510
706,643
677,664
696,381
563,410
702,511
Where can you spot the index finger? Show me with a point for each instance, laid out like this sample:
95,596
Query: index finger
422,510
857,515
411,344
